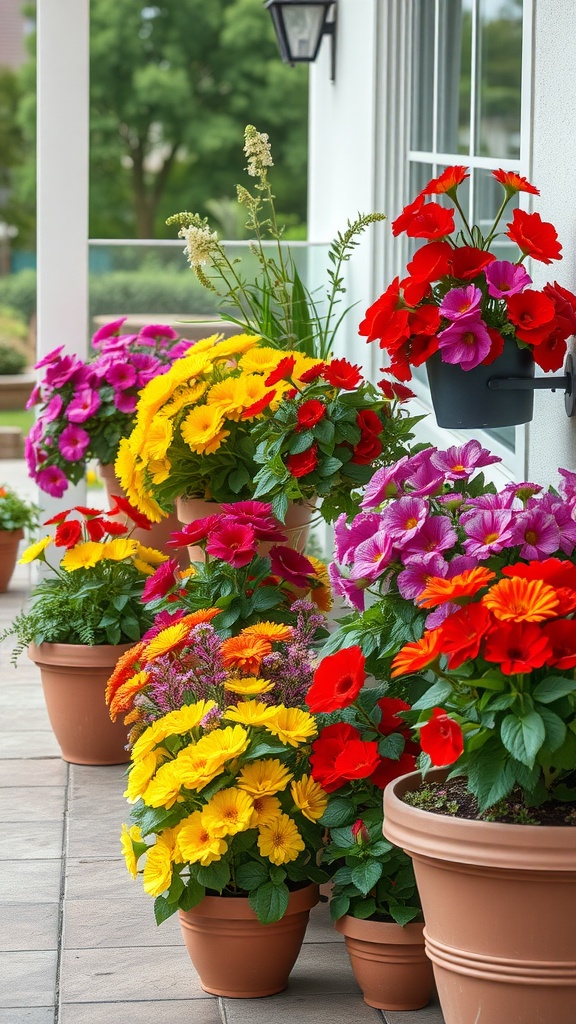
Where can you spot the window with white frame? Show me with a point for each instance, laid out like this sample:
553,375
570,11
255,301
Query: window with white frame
466,108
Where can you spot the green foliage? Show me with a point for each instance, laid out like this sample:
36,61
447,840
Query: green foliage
15,512
12,361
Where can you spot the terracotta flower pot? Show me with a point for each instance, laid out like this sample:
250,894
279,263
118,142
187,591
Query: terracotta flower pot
462,398
74,680
237,956
9,541
389,962
499,903
158,534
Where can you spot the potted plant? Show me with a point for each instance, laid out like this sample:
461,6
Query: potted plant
224,811
495,833
83,615
271,300
16,516
362,745
468,315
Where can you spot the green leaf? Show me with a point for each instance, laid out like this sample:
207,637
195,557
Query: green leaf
215,876
434,696
555,728
339,811
264,749
339,906
238,479
365,908
264,598
269,901
392,746
249,876
366,875
342,837
301,442
523,735
193,893
403,915
329,466
552,688
176,889
163,909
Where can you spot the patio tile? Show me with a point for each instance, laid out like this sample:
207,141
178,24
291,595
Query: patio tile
31,803
90,879
29,978
27,1015
30,881
323,968
98,837
40,771
140,973
20,696
295,1006
89,923
99,799
28,926
320,927
175,1011
431,1014
111,776
19,841
42,743
35,718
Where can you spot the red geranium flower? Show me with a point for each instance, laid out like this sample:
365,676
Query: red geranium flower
325,749
462,633
291,566
385,316
534,237
532,314
68,534
368,448
313,373
428,264
96,529
518,647
400,224
337,680
123,505
342,374
257,407
283,371
514,182
432,221
310,413
369,421
303,463
441,738
447,181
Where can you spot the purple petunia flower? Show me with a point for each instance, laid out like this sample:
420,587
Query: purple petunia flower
347,538
488,533
438,615
459,462
458,302
414,578
125,402
351,590
504,278
371,557
436,534
424,481
73,442
404,518
83,406
385,484
52,481
121,375
562,516
466,342
537,532
111,330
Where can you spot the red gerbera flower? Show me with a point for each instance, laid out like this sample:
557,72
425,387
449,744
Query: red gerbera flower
441,738
123,505
342,374
463,632
518,647
257,407
313,373
283,371
337,680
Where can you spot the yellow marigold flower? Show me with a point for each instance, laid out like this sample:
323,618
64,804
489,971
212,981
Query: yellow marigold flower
202,429
521,600
157,874
125,464
264,777
118,549
165,641
235,345
158,439
33,550
186,395
151,555
122,699
164,789
159,470
153,396
228,812
322,595
280,840
262,359
128,838
196,768
228,397
139,777
224,743
266,810
291,725
195,843
274,632
175,723
248,686
250,712
83,556
205,344
309,798
245,652
188,368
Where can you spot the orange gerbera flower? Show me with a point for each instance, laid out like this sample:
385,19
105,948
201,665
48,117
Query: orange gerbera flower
124,669
274,632
520,600
465,584
122,699
203,615
418,654
245,652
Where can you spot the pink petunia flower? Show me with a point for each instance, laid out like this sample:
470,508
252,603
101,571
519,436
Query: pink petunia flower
436,534
125,402
385,484
234,543
488,533
537,532
111,330
83,406
371,557
465,343
52,481
162,581
348,537
504,278
458,302
414,578
121,376
351,590
459,462
73,442
404,518
52,410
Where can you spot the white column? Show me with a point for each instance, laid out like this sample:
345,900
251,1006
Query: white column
551,435
62,191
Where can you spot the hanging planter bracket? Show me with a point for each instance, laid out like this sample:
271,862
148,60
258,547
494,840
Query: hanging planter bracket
566,383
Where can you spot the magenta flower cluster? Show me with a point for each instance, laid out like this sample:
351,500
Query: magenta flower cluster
431,515
86,408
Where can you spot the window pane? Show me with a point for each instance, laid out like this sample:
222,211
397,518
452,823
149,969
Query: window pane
454,64
499,77
488,195
422,75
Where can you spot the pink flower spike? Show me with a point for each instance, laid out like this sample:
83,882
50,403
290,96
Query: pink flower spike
465,343
460,301
505,278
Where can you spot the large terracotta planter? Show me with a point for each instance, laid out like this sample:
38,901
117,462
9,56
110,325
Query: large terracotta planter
463,399
74,680
9,541
389,962
499,903
237,956
158,534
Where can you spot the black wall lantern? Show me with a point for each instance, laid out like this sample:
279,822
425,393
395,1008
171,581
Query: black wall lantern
300,25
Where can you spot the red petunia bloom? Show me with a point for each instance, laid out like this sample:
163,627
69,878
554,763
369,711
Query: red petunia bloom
368,448
561,635
123,505
291,566
385,319
303,463
358,760
441,738
518,647
513,182
447,181
369,421
337,680
310,413
257,407
462,633
532,315
283,371
534,237
68,534
342,374
466,262
325,749
549,355
313,373
411,210
432,221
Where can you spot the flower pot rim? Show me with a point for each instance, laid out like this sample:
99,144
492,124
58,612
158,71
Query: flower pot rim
380,931
18,531
238,908
465,841
74,654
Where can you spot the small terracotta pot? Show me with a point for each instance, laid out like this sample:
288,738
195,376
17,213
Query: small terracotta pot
499,903
234,954
158,534
389,962
74,678
9,541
